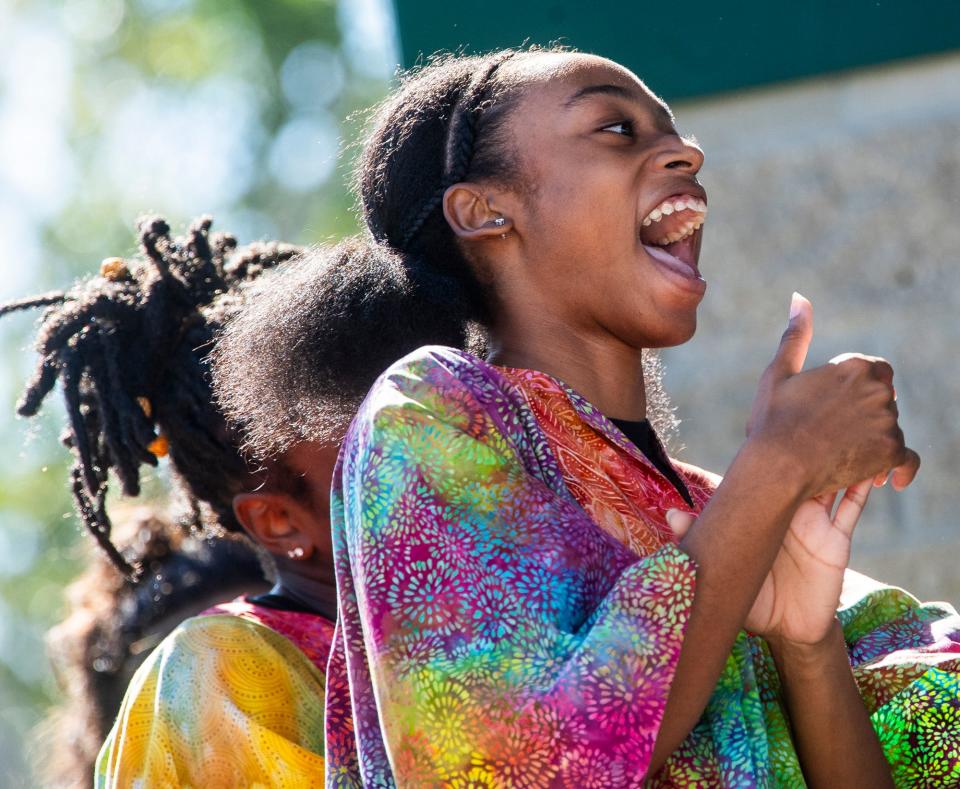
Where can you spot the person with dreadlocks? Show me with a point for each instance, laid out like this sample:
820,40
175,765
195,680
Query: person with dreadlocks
515,608
233,697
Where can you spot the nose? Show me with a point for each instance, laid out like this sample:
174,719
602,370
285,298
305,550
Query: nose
678,153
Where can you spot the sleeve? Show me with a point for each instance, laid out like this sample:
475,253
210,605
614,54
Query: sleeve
222,702
905,657
494,634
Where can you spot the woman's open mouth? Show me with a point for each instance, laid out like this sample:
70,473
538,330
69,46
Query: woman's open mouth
670,233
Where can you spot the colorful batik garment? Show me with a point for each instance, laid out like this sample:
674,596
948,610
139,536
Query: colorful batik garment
231,698
512,606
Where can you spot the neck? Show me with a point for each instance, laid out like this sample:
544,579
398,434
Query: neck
314,591
604,370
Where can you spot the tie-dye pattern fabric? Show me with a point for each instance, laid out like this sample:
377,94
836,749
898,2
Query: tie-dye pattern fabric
512,607
230,698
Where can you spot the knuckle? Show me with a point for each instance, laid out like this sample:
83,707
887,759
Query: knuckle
896,445
853,366
881,391
882,370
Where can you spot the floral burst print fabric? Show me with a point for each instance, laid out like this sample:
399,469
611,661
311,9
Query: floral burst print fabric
512,606
230,698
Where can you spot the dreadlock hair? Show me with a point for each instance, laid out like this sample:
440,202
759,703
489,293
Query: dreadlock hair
326,331
129,347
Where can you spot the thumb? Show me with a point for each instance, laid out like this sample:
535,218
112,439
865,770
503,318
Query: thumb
680,522
796,339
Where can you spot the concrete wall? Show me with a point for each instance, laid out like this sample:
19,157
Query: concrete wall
846,189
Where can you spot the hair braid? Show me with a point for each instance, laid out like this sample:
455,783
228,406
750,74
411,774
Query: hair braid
137,428
38,387
95,518
423,214
460,143
114,437
462,138
43,300
91,471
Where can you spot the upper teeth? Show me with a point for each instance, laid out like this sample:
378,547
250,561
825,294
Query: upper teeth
696,207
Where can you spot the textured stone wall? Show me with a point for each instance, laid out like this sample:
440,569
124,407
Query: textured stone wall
848,190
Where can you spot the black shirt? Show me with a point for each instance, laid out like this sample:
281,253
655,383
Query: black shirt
281,602
644,438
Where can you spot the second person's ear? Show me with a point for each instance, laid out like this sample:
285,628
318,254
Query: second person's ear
269,519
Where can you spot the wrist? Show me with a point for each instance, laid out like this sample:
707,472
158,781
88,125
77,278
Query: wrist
809,660
770,461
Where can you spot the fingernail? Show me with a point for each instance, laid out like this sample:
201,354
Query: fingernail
795,301
671,514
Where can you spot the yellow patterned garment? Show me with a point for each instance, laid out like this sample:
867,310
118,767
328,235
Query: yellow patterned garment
224,701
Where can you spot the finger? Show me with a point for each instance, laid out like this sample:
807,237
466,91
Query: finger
840,358
851,506
881,370
876,367
904,474
881,479
680,522
795,341
826,500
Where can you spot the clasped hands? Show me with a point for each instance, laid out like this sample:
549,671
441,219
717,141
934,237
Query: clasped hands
839,425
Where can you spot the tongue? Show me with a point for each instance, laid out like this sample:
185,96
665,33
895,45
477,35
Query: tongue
662,256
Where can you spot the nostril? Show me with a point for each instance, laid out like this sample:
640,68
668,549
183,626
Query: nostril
682,163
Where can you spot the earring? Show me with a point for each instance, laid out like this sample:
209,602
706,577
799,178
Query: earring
500,222
296,553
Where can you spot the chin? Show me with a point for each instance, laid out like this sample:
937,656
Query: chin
673,331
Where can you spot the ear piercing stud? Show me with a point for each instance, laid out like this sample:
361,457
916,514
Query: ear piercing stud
296,553
500,222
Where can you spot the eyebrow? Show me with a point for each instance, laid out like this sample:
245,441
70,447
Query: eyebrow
618,91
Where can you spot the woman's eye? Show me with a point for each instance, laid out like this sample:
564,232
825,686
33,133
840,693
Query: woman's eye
621,127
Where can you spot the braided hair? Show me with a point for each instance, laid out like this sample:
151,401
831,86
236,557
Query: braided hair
328,331
460,146
129,349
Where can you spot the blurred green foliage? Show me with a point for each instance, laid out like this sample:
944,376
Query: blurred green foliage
112,108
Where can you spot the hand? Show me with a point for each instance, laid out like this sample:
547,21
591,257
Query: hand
798,600
837,423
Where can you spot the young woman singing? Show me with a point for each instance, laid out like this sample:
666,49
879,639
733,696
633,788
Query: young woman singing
514,609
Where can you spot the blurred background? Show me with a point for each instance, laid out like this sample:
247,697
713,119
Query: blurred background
833,168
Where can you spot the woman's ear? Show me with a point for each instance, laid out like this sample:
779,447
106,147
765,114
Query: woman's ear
467,210
271,520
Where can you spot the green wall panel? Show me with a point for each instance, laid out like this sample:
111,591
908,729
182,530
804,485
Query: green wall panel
695,47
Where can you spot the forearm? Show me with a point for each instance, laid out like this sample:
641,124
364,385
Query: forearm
836,744
734,543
